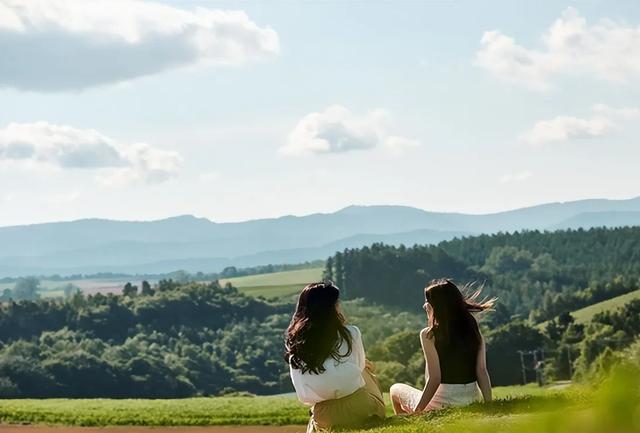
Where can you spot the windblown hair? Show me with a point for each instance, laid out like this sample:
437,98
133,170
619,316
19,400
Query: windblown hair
452,321
317,329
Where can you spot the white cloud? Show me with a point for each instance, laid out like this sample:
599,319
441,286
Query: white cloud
51,45
64,147
607,50
604,120
209,177
337,130
516,177
628,113
564,128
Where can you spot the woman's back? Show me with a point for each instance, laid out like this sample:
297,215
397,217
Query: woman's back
327,362
339,378
458,359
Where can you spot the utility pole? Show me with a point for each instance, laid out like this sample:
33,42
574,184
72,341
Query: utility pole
524,371
538,366
535,366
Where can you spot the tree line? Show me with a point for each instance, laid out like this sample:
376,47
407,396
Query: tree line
172,341
536,275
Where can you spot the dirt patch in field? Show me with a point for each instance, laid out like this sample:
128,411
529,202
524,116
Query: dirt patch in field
133,429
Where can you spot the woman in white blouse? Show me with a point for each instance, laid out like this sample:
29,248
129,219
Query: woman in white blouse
327,363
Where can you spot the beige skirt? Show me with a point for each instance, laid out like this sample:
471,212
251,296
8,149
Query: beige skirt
363,407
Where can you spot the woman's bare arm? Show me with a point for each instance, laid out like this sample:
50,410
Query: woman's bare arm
432,373
484,382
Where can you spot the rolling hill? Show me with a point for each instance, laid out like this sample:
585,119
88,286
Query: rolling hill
585,314
197,244
276,284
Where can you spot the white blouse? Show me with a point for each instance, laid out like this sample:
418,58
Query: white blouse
339,378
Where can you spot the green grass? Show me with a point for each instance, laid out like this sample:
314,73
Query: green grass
493,417
612,407
271,292
190,411
584,315
287,277
277,284
276,410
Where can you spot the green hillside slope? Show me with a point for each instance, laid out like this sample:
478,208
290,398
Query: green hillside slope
585,314
275,284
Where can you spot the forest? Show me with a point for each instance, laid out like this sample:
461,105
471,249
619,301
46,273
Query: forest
536,275
177,339
171,340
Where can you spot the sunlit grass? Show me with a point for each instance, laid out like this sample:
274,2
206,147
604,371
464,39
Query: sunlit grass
276,410
584,315
276,284
612,408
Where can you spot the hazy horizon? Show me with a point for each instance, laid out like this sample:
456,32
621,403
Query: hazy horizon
330,211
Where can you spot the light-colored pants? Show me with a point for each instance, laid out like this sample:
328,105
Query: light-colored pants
447,395
364,406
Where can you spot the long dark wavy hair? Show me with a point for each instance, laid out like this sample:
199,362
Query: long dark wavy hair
317,329
452,321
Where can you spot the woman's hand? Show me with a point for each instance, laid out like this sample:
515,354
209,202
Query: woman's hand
368,365
408,409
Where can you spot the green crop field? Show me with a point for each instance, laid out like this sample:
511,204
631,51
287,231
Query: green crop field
264,410
276,284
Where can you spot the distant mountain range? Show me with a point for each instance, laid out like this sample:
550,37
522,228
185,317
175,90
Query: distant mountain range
197,244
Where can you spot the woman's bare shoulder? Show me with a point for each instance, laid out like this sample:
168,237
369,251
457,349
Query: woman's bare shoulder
426,334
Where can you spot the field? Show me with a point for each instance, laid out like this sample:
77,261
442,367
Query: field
264,410
191,411
53,288
277,284
613,407
274,285
586,314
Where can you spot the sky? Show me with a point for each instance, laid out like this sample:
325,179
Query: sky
139,110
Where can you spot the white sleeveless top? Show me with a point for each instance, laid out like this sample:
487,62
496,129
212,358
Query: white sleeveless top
339,378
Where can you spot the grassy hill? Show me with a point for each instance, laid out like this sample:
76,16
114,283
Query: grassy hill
277,284
585,314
